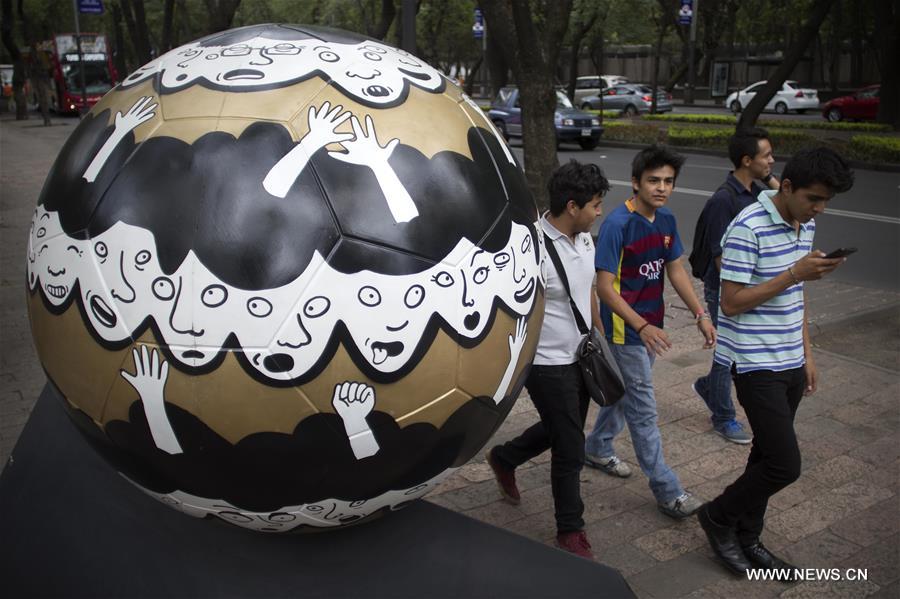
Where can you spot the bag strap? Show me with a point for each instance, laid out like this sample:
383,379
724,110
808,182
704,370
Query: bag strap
561,272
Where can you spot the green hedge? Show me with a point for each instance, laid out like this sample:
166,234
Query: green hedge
630,132
607,114
785,141
722,119
875,148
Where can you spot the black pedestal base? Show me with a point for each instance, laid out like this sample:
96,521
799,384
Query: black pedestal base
71,527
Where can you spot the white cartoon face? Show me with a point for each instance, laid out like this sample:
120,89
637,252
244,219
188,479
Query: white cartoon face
368,71
54,259
195,311
519,269
386,316
116,284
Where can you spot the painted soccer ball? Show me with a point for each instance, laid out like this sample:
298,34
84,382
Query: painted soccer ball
286,276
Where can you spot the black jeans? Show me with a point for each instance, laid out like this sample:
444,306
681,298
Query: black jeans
770,400
561,399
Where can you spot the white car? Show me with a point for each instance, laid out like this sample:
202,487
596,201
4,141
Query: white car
592,85
790,97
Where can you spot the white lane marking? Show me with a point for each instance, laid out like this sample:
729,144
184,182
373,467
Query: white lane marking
891,220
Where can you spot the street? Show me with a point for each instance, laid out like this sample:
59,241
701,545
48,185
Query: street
867,217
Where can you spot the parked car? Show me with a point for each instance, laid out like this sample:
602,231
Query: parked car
630,98
572,125
593,84
790,97
862,105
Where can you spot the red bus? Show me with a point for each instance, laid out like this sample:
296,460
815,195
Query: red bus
99,74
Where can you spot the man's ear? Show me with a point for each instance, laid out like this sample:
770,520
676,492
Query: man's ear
635,185
787,186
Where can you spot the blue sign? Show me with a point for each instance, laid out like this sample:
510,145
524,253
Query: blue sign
686,13
91,7
478,27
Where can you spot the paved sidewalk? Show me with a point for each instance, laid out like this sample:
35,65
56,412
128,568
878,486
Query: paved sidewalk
844,512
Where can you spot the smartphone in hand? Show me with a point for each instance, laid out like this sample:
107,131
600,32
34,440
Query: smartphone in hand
840,253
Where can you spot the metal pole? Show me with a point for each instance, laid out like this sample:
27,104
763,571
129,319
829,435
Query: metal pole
83,108
689,90
485,76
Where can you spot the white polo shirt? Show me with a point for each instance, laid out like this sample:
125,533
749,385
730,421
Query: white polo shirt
559,333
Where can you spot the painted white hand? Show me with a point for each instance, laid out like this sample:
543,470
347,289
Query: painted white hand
516,342
140,112
353,402
365,150
149,380
322,131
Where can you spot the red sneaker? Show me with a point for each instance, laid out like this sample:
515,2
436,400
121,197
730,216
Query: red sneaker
506,479
575,542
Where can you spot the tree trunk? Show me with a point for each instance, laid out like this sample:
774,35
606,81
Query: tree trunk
817,15
39,68
221,14
471,74
533,53
887,23
856,37
498,68
119,53
168,16
835,48
577,39
19,77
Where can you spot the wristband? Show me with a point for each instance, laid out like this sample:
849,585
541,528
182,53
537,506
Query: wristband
703,316
793,276
642,327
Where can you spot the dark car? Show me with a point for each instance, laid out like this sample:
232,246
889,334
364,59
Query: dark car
572,125
630,99
862,105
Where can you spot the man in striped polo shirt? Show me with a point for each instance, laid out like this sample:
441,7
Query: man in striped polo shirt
766,256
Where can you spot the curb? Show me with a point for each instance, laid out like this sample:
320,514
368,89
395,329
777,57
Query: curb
870,166
851,319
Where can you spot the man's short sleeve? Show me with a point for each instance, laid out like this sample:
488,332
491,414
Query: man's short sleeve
740,253
609,247
675,246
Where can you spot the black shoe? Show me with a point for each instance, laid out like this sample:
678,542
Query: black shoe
724,543
761,557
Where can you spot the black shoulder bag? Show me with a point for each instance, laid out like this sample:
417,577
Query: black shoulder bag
601,377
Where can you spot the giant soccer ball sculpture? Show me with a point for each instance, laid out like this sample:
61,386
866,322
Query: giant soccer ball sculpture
286,276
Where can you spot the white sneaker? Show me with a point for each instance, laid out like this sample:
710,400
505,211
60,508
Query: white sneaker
611,465
681,507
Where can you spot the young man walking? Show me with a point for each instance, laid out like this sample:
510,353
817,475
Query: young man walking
750,152
767,255
637,247
554,381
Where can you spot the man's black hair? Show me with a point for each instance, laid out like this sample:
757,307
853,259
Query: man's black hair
818,165
577,182
745,142
654,157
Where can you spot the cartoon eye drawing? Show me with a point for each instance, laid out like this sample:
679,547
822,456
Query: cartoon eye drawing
281,517
328,56
374,49
481,275
236,51
316,306
369,296
163,288
214,296
43,247
414,296
235,517
314,508
74,249
358,503
283,49
372,56
501,260
443,278
101,249
41,232
259,307
142,258
526,244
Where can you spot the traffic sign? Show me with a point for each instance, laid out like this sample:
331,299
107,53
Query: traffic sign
686,14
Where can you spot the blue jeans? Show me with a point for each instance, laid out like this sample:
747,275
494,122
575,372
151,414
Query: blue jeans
638,408
715,387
